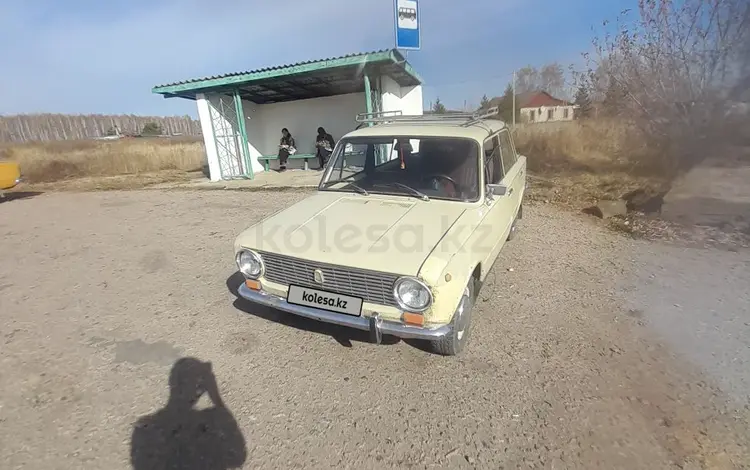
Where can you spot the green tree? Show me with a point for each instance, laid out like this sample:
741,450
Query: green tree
505,105
151,128
484,103
438,107
583,101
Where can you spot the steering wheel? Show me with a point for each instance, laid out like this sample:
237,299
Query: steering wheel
456,186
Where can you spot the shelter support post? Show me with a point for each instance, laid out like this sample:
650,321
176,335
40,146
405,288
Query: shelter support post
368,96
209,137
243,134
374,105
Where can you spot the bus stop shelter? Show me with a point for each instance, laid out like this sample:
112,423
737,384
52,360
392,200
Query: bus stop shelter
242,113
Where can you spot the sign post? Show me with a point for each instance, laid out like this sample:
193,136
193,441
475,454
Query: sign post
408,31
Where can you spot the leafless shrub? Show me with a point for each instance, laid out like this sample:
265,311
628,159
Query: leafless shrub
672,73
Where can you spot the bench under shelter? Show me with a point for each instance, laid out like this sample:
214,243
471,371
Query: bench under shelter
242,113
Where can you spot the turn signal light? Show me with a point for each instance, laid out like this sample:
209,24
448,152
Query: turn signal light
413,319
252,284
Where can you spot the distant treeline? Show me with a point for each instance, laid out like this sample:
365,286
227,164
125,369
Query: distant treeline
46,127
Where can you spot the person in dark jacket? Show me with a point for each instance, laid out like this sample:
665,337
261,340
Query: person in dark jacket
324,144
286,147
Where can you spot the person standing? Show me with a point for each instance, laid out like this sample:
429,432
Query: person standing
286,148
325,145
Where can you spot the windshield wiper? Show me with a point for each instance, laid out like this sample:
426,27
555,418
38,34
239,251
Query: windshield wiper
359,189
415,192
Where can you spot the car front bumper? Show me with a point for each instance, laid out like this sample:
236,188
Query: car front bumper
374,324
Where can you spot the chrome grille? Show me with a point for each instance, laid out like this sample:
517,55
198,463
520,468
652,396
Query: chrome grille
372,286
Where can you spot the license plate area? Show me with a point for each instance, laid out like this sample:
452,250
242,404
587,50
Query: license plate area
324,300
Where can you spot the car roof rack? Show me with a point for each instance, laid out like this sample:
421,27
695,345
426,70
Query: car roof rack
378,116
463,119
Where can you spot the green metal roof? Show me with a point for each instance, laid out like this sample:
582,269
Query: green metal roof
313,79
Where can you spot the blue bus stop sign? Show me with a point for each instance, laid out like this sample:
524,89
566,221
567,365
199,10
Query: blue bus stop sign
408,32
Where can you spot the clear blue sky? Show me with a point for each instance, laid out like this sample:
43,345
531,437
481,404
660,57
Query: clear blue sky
94,56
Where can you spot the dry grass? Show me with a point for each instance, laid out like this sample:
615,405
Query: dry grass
572,163
54,162
577,163
597,146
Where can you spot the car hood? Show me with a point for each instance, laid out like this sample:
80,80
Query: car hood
392,234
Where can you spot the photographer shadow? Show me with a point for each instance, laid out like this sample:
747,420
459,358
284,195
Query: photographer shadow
343,335
181,436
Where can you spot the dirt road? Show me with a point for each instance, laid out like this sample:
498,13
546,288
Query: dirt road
572,362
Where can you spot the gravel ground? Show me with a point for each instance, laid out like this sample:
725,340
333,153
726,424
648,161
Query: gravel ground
584,353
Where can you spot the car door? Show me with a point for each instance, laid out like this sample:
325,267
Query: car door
514,171
497,223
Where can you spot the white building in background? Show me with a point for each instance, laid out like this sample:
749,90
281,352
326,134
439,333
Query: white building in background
242,113
542,107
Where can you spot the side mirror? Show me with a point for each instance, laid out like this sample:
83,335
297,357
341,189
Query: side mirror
496,190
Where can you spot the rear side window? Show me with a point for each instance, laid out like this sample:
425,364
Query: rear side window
493,166
506,150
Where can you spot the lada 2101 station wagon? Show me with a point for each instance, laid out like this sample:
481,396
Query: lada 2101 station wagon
409,217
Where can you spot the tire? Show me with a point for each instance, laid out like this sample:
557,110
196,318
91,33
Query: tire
458,337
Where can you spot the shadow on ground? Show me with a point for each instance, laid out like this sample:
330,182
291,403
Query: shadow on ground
16,195
343,335
181,436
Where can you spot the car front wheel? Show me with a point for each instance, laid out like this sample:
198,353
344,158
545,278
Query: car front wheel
455,341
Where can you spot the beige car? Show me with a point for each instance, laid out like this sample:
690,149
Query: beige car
407,221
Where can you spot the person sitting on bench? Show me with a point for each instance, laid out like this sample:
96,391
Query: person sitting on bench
324,146
286,148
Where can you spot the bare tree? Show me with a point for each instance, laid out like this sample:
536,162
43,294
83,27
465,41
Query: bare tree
673,67
741,90
549,78
527,80
552,79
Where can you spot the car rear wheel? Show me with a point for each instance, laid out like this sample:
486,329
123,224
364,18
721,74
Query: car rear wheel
455,341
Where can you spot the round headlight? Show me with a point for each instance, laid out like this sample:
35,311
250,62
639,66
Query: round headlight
412,294
250,264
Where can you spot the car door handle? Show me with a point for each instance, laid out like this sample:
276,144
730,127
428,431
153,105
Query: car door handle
510,192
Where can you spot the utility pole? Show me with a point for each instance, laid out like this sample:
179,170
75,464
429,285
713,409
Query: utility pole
514,98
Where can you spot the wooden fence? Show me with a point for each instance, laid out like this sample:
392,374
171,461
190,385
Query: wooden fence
48,127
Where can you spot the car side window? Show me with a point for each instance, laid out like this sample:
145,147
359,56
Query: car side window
493,166
506,150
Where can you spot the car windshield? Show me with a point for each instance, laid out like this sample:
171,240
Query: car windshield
421,167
